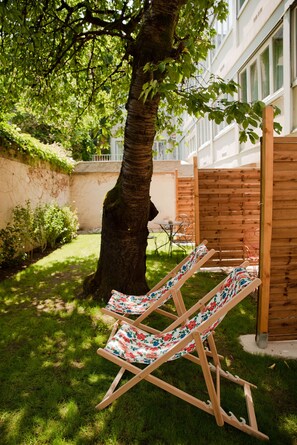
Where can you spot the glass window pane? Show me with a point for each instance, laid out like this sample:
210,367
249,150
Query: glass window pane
254,82
119,149
264,65
240,4
243,85
277,50
295,42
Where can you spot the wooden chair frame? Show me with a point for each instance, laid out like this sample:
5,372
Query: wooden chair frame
213,406
175,292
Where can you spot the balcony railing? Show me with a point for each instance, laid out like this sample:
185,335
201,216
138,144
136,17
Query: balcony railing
106,158
157,157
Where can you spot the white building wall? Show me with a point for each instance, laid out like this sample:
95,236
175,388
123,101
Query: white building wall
92,180
250,30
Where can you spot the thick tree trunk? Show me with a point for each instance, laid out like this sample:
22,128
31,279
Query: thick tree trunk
127,207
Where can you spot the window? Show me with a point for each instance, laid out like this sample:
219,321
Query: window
264,67
278,66
119,150
295,42
240,4
160,152
263,75
243,84
222,29
203,131
254,82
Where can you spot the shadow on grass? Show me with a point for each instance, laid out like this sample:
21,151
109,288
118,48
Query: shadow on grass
52,378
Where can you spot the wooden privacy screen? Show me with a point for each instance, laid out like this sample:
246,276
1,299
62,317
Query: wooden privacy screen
228,213
185,200
277,315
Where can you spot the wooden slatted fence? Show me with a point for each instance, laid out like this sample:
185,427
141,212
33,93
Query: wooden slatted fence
229,212
277,317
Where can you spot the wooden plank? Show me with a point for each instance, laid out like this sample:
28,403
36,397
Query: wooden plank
229,191
280,242
282,337
285,167
196,202
278,233
286,309
227,200
286,154
284,224
285,214
246,226
286,175
287,325
266,224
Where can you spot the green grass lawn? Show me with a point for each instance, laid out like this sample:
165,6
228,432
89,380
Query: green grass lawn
51,377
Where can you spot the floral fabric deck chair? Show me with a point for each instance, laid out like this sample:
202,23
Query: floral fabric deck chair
183,337
122,306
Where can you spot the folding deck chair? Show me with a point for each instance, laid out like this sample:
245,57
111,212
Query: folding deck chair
122,306
181,339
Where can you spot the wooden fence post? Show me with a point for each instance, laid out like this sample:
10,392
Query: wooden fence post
196,202
176,192
266,227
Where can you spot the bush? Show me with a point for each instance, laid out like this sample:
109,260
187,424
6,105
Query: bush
46,225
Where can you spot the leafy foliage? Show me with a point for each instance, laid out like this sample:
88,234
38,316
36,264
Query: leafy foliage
71,61
12,139
46,225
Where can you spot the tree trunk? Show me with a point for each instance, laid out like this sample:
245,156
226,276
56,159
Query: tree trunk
127,207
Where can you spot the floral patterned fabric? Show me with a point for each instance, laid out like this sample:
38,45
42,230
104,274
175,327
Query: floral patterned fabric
137,304
135,345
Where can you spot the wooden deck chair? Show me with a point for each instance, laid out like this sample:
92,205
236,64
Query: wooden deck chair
122,306
131,345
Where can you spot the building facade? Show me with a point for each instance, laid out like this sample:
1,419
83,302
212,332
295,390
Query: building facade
257,47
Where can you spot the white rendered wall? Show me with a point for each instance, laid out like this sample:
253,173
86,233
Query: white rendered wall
21,182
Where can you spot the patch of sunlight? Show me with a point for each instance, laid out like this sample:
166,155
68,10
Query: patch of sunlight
86,344
77,364
95,312
80,310
100,339
46,429
94,378
69,411
89,433
15,299
13,422
58,341
54,305
62,441
289,424
51,364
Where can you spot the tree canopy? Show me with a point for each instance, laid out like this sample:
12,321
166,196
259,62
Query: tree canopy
69,64
69,60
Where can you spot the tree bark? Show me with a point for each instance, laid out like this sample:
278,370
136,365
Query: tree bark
127,207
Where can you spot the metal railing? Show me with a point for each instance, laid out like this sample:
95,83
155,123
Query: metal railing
106,158
119,158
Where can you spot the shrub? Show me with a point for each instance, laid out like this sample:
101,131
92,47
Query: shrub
70,224
10,250
46,225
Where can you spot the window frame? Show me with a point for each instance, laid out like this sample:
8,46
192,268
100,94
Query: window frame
240,7
256,59
294,45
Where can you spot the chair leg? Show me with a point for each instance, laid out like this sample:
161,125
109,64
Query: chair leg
213,395
212,408
113,386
